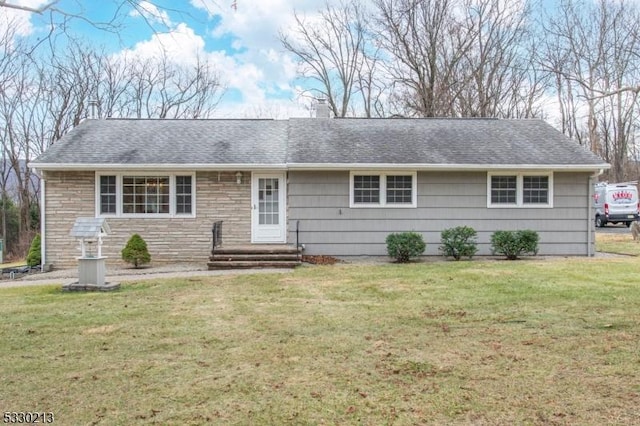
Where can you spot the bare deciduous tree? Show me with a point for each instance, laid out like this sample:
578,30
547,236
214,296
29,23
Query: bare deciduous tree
336,52
424,48
498,63
163,89
152,12
469,58
42,100
592,54
17,100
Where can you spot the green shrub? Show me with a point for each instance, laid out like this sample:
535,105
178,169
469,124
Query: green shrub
459,242
135,252
33,258
514,243
405,245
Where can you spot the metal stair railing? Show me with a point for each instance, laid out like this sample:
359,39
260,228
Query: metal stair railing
217,236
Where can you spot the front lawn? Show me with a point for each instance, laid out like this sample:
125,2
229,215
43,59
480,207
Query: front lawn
483,342
618,244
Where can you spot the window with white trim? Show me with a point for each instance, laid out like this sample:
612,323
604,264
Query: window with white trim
148,195
535,189
400,189
388,189
366,189
145,194
520,190
108,195
184,194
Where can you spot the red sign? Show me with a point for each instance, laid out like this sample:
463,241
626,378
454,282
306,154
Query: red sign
622,195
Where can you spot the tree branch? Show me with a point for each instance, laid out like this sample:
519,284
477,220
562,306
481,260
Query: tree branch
39,10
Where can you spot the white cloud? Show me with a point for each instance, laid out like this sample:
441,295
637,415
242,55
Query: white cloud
254,28
152,14
243,77
19,20
255,25
181,45
255,66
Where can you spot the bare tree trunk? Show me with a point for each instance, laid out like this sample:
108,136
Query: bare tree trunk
337,52
471,58
419,37
598,45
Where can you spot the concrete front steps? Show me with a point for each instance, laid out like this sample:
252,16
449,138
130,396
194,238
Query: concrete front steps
255,256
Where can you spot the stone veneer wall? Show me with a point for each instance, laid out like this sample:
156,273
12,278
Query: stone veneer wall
218,197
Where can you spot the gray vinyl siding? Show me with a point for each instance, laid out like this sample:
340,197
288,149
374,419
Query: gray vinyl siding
319,202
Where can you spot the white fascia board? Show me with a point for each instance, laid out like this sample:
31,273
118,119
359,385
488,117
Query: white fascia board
191,167
449,167
323,166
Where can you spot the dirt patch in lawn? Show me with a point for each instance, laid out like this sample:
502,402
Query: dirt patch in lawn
320,260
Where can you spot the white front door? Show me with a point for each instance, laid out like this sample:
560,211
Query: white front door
268,221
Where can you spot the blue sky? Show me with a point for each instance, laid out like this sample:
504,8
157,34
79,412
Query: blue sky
242,43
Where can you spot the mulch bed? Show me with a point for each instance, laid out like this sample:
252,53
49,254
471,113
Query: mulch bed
320,260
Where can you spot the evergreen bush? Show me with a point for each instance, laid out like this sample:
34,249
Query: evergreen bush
459,242
34,257
403,246
136,252
514,243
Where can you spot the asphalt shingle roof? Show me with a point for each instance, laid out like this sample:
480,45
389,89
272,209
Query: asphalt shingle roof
165,142
433,141
308,141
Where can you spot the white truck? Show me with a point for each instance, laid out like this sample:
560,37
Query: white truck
615,203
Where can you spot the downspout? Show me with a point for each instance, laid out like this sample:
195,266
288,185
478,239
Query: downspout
43,225
590,222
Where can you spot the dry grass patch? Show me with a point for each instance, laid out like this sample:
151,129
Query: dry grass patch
617,243
443,343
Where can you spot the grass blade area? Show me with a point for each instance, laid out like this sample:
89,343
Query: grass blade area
617,243
500,343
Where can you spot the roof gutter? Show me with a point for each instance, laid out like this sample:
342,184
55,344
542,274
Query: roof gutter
159,166
447,167
320,166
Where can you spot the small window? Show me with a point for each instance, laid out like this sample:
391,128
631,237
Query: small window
372,189
535,189
183,195
108,195
399,189
366,189
503,189
520,190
